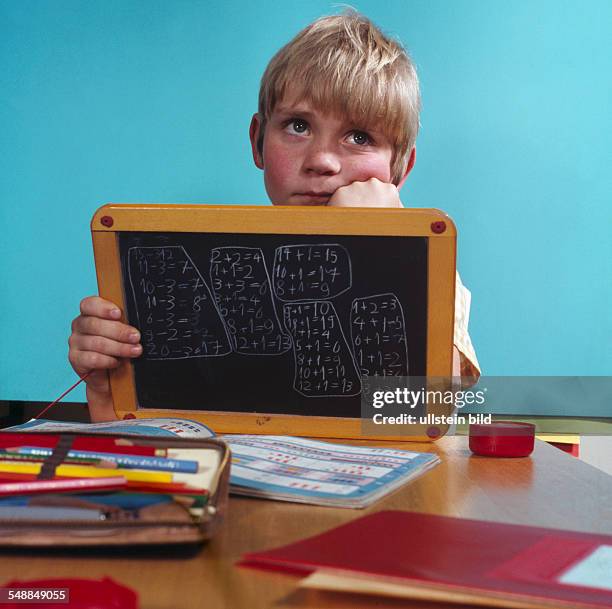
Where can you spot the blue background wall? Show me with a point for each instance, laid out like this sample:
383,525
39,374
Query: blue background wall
129,101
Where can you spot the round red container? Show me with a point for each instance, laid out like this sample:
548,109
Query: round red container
502,439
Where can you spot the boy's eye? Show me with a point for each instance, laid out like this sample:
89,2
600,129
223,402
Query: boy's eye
360,137
297,125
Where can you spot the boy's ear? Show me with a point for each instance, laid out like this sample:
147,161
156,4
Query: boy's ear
411,162
254,130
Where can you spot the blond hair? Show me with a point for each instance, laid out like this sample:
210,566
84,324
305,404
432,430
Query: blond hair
345,65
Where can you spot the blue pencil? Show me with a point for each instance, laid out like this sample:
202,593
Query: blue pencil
127,501
127,461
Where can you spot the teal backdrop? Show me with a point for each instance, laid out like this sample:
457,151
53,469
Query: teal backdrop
150,101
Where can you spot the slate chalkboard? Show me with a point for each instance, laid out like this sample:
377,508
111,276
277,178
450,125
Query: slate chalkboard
272,323
270,319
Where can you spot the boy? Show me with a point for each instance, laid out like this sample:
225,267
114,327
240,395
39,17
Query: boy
336,125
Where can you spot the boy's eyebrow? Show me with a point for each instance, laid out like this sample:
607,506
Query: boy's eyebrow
302,110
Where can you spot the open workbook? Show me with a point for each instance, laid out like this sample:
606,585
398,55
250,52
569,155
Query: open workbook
282,467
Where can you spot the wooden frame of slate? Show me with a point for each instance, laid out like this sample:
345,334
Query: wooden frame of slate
165,266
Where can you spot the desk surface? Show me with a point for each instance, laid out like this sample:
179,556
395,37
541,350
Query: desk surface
549,489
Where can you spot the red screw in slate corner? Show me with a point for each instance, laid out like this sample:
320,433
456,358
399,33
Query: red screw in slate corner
433,432
106,221
438,227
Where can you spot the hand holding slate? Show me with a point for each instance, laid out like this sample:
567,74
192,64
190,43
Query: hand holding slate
97,342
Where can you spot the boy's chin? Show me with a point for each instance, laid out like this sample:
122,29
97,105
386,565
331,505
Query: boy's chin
302,200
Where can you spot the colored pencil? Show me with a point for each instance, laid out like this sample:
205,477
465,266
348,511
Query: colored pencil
124,446
127,461
84,471
70,485
38,457
168,489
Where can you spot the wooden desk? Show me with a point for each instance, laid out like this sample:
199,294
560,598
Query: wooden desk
550,489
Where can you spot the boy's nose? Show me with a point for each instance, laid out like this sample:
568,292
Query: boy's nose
322,160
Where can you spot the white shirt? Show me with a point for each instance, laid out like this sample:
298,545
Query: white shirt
468,361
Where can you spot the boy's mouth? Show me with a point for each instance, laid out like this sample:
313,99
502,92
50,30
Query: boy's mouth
313,198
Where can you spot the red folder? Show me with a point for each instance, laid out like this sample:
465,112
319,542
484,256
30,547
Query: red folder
497,561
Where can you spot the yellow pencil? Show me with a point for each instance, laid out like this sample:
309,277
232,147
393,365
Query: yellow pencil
84,471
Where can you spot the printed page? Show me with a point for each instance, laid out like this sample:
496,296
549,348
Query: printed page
312,470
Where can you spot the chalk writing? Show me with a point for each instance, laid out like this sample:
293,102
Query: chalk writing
176,313
378,336
311,272
241,287
324,365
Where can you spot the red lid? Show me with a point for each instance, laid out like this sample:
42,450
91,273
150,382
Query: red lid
502,439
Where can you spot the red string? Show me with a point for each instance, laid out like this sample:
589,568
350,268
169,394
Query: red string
81,379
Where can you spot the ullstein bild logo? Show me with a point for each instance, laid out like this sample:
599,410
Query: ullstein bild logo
432,419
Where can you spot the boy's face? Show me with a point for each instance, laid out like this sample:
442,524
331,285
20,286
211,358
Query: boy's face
308,155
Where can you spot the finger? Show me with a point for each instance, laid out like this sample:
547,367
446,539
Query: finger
105,346
86,361
99,307
115,330
337,196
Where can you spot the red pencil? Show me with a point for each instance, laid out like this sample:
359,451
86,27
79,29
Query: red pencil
63,485
11,439
14,477
164,488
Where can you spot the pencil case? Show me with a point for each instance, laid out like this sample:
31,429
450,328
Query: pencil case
159,514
